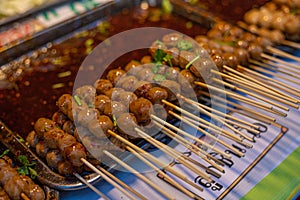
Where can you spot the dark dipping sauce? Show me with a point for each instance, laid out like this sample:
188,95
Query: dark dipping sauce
34,93
53,68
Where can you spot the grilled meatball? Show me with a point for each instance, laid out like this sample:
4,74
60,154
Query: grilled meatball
15,186
145,74
172,73
87,115
127,97
6,173
53,157
74,153
32,139
51,137
59,118
172,87
65,167
34,192
100,102
156,94
141,88
114,108
102,86
127,82
87,93
131,65
185,57
41,149
186,79
66,140
69,127
114,75
3,194
64,104
126,123
100,126
114,93
141,108
43,125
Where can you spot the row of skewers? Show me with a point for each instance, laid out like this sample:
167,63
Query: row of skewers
132,101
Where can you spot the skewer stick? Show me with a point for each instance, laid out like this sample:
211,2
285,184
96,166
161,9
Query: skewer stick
217,112
291,44
110,175
176,156
272,90
280,61
263,91
223,114
193,137
106,178
91,186
166,177
291,89
245,99
24,196
238,108
221,131
140,176
282,53
154,160
192,147
275,67
258,96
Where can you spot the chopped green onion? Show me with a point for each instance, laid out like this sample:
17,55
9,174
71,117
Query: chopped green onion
184,45
77,100
64,74
191,62
4,153
23,170
114,120
33,173
189,25
58,85
167,7
159,55
168,58
159,77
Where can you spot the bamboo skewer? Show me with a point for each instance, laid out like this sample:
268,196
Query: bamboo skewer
248,79
290,101
193,137
155,160
196,104
291,44
259,97
176,156
106,178
166,177
192,147
24,196
284,87
140,176
218,112
174,135
279,61
291,90
275,67
110,175
239,109
91,186
282,53
221,131
246,100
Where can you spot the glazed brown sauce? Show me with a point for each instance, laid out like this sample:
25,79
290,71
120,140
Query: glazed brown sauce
33,95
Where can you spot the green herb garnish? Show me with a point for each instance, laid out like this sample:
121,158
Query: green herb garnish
230,43
159,55
27,168
4,153
192,61
184,45
77,100
168,58
155,68
159,77
114,120
167,7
